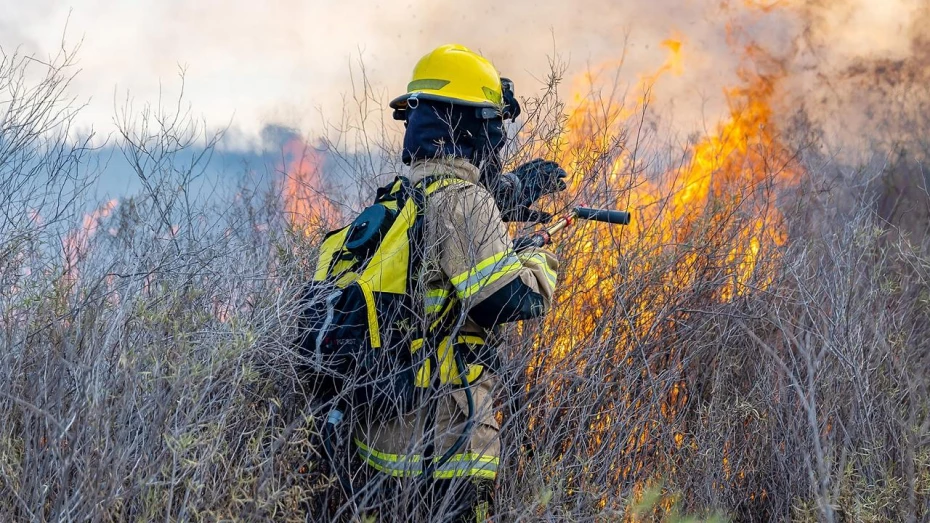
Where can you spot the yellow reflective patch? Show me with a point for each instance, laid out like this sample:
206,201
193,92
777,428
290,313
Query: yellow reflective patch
436,299
330,247
449,307
442,183
387,269
540,260
470,339
373,330
474,472
346,279
342,266
423,375
462,277
448,370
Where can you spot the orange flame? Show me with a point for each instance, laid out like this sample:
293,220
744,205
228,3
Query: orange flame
721,180
589,129
705,224
305,200
76,241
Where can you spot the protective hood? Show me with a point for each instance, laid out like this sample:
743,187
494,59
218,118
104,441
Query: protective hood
436,130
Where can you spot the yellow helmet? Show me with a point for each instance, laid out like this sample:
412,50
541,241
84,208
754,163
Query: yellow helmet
453,73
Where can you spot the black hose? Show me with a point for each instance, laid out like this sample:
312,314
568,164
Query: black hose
329,432
429,427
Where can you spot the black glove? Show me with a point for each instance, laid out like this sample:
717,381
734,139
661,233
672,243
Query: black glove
506,189
517,191
539,178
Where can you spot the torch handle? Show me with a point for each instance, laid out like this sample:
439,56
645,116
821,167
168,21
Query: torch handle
602,215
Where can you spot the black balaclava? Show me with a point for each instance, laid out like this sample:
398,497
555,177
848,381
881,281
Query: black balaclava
439,129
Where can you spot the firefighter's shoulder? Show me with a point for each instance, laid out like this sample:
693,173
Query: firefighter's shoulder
466,201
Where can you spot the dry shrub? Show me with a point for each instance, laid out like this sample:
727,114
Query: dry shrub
148,373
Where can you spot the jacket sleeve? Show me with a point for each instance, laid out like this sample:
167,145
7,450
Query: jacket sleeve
494,282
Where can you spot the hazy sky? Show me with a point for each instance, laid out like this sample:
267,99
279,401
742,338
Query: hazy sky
284,61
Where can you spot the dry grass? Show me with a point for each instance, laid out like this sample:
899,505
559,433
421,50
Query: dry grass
146,370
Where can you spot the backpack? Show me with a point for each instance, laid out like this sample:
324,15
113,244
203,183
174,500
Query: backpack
360,314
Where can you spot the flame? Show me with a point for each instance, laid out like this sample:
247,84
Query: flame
305,200
76,241
588,130
724,181
674,64
705,226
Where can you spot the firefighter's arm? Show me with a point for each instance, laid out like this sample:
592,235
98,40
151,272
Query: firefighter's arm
497,284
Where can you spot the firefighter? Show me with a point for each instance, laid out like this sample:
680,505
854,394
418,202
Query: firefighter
454,110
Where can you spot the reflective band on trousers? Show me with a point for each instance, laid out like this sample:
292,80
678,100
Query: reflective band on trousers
435,299
486,272
459,465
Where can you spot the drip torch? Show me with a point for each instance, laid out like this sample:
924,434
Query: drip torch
544,237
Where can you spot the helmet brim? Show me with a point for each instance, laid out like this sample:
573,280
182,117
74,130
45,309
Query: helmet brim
400,103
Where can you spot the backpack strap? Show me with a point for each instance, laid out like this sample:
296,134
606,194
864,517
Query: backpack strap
434,184
418,193
389,192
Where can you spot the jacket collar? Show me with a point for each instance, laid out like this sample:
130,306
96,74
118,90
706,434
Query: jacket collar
447,166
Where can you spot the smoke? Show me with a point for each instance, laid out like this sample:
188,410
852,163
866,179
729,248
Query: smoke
292,62
842,63
859,71
844,31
